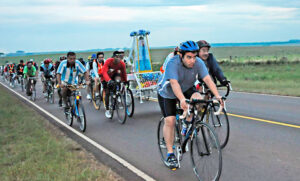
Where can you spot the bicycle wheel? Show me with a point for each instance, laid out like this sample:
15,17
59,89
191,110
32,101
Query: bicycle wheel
206,155
121,108
69,116
162,144
220,124
81,117
52,97
129,102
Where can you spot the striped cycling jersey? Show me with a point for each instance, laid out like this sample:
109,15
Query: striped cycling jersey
48,71
70,74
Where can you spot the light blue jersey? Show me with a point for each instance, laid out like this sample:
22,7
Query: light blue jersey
48,71
185,76
70,74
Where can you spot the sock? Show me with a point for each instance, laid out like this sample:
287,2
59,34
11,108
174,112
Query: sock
187,122
169,154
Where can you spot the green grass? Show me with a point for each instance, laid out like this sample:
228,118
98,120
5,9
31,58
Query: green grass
280,79
33,149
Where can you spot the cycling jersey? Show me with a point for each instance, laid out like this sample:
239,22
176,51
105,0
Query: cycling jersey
97,68
48,71
186,77
29,71
70,74
11,68
114,68
20,69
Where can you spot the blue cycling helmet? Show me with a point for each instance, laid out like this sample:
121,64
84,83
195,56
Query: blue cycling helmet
93,56
188,46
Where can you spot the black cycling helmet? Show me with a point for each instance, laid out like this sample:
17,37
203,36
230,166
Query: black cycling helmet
203,43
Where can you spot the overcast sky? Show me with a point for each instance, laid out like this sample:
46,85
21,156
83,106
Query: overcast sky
54,25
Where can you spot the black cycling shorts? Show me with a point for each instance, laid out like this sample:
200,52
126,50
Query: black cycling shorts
168,106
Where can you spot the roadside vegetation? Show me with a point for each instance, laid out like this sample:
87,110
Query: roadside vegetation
33,149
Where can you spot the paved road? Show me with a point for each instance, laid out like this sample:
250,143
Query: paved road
256,150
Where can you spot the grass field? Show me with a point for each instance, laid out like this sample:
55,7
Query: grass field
250,78
33,149
280,79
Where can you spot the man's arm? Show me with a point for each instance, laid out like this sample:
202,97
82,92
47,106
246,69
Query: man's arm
104,71
123,72
212,86
217,71
178,93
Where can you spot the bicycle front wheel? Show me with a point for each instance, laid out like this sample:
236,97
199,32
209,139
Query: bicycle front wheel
162,147
220,124
81,117
206,153
129,102
121,108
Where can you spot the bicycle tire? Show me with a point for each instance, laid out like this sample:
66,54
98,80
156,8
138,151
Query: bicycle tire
162,144
205,144
121,108
129,103
81,117
22,84
69,116
220,124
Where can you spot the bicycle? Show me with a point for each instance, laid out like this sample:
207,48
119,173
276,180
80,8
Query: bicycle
205,150
32,87
50,90
219,122
75,107
118,101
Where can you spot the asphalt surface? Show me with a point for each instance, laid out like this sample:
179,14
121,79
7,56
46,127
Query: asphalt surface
256,150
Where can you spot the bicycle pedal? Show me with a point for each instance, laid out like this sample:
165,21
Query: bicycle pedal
174,169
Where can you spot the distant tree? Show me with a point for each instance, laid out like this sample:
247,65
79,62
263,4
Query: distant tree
1,54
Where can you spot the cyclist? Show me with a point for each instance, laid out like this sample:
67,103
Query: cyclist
211,63
11,72
29,71
92,73
57,63
177,83
67,72
112,68
97,69
46,70
169,57
20,69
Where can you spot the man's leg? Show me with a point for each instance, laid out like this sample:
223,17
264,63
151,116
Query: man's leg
168,131
65,96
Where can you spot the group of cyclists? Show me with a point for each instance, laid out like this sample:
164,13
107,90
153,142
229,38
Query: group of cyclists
190,62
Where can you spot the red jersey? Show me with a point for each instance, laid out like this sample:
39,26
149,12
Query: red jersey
114,68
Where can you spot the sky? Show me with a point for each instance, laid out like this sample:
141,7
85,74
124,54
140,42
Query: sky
62,25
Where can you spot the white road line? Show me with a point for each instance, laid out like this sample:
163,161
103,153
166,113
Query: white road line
103,149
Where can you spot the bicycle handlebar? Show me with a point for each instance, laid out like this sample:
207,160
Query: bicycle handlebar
228,86
199,101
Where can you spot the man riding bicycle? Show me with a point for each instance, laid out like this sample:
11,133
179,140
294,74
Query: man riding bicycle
67,73
113,67
96,70
46,70
177,84
211,63
11,72
29,71
20,69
